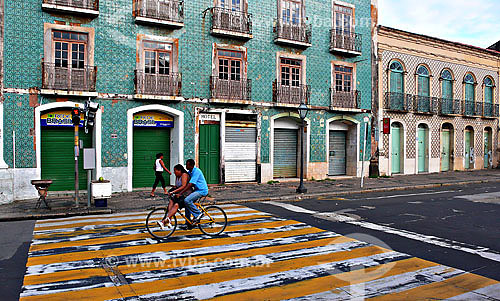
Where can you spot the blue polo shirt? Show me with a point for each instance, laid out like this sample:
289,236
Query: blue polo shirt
198,180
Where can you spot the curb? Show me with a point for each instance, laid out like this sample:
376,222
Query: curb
296,198
288,198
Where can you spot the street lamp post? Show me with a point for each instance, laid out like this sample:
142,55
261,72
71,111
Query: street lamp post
303,110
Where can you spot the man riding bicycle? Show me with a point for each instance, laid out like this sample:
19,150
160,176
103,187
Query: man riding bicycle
198,182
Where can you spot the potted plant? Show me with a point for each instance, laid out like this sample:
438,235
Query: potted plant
101,192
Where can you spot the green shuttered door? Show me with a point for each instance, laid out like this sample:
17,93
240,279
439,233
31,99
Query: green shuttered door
445,152
58,159
147,143
210,152
285,153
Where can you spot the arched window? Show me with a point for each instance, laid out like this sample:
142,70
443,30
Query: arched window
470,94
423,81
396,77
488,97
446,84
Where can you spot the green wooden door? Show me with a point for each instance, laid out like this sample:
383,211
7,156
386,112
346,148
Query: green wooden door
423,149
487,149
396,149
58,159
445,150
468,143
147,143
210,152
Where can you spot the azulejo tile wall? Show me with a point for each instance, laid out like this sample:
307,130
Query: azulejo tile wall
115,57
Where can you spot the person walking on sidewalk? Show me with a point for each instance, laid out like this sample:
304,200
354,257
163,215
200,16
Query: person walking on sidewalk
159,169
198,182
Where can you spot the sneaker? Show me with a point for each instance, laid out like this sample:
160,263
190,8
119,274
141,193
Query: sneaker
196,220
162,226
186,227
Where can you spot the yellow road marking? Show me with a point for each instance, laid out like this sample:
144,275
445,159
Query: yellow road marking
127,269
104,240
76,256
107,222
131,226
444,289
207,278
323,284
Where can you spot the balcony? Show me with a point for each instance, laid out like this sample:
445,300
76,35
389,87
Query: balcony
469,108
222,90
292,34
340,100
68,81
448,106
168,13
81,7
291,95
398,102
230,23
425,104
490,110
345,43
157,86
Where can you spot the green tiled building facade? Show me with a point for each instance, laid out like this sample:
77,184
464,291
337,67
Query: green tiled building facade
227,76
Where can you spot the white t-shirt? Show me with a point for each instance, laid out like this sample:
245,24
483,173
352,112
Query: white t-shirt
158,165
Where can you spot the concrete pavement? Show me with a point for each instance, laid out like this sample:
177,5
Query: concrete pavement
238,193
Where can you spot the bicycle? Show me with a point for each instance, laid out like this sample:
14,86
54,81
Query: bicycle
213,221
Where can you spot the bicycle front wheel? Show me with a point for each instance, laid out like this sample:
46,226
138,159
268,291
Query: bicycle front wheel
213,221
154,229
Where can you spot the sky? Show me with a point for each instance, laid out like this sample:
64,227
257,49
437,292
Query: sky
475,22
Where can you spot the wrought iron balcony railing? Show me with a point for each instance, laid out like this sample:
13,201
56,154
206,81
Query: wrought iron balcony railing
346,42
166,10
82,4
158,84
230,89
299,33
291,94
394,101
425,104
469,108
449,106
345,100
231,21
490,110
68,78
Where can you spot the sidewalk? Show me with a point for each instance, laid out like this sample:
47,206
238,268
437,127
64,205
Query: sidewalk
140,200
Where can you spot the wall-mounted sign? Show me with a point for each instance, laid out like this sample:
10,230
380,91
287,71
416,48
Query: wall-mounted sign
209,118
59,118
153,119
387,126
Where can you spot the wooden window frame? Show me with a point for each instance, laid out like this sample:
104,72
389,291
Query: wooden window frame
174,57
49,45
339,4
343,74
157,51
230,59
242,8
291,67
70,42
302,12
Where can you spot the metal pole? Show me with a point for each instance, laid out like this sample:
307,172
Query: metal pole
77,150
364,156
89,187
301,188
14,164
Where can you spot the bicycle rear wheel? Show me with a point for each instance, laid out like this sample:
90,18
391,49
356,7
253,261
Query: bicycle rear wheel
214,221
154,229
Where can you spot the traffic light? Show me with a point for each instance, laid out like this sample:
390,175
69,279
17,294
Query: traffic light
75,116
90,113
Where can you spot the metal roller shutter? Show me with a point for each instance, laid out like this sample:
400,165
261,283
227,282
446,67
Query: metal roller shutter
58,159
147,143
337,153
240,154
285,153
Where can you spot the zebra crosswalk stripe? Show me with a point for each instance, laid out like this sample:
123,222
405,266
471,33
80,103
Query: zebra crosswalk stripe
113,257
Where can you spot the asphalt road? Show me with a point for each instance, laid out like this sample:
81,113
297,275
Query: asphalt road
455,226
15,239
